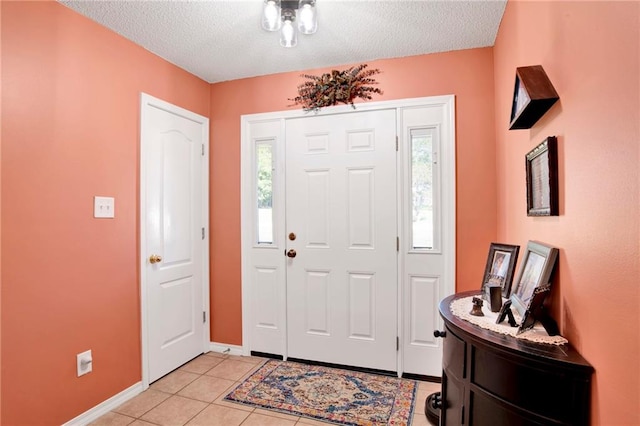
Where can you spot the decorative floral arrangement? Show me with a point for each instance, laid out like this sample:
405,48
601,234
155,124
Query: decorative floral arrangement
336,87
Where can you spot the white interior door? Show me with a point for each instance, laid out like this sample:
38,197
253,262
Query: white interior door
173,245
341,206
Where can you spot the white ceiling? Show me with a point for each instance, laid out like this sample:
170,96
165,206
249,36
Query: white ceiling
220,40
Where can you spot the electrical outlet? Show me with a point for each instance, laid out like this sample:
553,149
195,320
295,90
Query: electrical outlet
84,363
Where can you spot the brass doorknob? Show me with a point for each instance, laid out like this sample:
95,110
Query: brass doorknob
291,253
154,258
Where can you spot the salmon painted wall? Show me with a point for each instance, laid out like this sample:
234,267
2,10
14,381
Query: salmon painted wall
70,127
467,74
590,51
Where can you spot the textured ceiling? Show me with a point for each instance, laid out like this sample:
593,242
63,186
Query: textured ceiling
220,40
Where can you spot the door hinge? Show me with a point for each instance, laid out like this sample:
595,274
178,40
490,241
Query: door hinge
203,233
396,143
397,343
397,243
204,317
202,149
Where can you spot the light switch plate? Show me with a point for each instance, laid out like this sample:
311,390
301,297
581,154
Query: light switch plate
104,207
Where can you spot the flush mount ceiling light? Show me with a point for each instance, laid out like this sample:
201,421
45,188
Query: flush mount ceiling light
286,15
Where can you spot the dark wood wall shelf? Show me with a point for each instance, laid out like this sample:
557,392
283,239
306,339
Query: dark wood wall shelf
533,95
493,379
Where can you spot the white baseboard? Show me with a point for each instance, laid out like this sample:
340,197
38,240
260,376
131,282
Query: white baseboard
227,349
106,406
122,397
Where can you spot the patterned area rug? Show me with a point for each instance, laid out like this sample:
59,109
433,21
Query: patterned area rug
328,394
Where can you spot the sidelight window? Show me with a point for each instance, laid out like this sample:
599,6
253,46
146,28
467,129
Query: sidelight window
424,193
264,191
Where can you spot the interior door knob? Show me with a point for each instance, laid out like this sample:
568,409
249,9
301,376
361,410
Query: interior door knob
154,258
438,333
291,253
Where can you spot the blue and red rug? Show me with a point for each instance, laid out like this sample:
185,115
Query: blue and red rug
328,394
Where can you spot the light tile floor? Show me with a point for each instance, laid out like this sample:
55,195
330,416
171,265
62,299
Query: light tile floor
193,395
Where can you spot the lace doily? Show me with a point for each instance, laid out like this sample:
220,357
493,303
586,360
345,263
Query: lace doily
461,308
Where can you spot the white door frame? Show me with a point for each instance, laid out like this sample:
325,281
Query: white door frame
449,184
145,101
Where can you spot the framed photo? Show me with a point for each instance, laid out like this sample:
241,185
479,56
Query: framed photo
535,271
501,264
535,308
521,99
533,95
542,179
535,311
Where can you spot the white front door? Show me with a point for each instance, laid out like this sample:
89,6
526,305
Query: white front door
173,246
341,206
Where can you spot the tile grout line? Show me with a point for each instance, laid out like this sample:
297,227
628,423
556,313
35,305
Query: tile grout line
219,399
194,416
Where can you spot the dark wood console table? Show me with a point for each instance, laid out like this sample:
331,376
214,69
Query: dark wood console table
493,379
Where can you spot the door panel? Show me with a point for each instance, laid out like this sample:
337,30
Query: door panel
317,214
428,246
423,294
362,306
341,203
172,146
264,287
317,302
361,214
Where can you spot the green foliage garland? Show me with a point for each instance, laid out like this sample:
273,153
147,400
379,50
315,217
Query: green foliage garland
336,87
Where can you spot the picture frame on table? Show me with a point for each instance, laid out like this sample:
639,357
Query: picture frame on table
537,312
500,267
536,270
542,179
